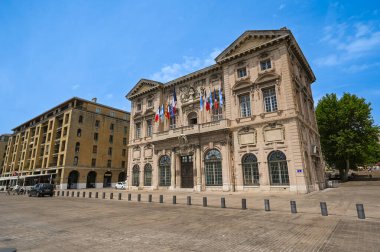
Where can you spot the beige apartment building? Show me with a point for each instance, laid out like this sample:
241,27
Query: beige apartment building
263,135
77,144
3,147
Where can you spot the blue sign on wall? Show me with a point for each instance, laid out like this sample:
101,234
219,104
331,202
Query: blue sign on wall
299,170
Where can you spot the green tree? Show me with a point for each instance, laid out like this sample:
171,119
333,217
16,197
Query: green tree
348,134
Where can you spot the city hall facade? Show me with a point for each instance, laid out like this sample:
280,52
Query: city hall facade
263,135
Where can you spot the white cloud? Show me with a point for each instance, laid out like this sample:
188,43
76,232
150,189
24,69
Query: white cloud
360,67
75,87
188,65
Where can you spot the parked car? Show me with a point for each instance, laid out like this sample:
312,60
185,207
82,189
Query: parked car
41,190
121,185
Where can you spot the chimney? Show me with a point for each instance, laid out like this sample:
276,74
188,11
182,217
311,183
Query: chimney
94,99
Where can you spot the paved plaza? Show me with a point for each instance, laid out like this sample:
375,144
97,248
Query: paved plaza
84,224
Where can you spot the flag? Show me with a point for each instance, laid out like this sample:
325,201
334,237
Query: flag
210,97
157,116
172,114
174,102
167,114
220,95
216,105
162,112
201,102
207,103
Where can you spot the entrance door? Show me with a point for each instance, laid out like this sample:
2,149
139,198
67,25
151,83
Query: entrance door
187,178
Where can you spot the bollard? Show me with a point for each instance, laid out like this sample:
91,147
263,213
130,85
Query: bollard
129,197
360,210
84,194
96,195
267,206
223,203
78,194
205,201
161,198
67,194
63,193
323,209
111,195
189,200
174,199
119,197
243,204
293,207
57,193
103,195
150,198
90,194
72,194
138,197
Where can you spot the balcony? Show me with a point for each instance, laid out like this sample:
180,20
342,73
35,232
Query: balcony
192,129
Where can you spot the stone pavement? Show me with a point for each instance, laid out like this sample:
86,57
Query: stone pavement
73,224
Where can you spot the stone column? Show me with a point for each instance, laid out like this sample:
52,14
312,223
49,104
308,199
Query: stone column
198,162
155,168
178,171
172,169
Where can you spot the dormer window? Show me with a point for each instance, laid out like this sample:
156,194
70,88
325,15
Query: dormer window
242,72
265,64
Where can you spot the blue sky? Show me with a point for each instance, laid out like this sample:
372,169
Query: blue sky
51,51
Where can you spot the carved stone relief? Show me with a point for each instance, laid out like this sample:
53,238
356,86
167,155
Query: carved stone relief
274,133
247,136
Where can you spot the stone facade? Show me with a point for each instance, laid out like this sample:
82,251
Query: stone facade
264,137
3,147
77,144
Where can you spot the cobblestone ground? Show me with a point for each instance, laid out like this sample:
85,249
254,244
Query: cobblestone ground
83,224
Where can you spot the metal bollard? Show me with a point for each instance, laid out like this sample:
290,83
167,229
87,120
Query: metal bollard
119,197
205,201
267,205
111,195
90,194
189,200
129,197
78,194
138,197
223,203
324,211
84,194
243,204
293,207
72,194
161,198
360,210
174,199
67,194
62,193
96,195
150,198
103,195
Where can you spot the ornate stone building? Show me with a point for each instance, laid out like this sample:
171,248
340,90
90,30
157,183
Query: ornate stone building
264,136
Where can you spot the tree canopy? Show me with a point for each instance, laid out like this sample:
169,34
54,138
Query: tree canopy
348,134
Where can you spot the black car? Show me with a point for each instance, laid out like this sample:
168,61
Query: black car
41,190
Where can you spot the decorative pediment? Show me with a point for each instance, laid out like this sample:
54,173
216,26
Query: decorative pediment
241,85
267,77
142,87
250,40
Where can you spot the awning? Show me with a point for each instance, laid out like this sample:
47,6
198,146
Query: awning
26,176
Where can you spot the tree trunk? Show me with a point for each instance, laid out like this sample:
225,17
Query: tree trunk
344,178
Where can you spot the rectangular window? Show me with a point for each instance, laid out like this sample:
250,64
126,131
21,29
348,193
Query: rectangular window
124,141
111,139
270,99
217,114
124,151
67,118
112,114
111,126
97,123
242,72
265,64
125,130
245,105
110,151
138,106
96,136
138,130
93,162
149,128
95,149
122,164
172,122
150,103
98,110
109,163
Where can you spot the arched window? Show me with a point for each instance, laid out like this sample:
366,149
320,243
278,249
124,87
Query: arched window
122,177
80,120
164,170
72,180
278,168
91,180
79,132
250,170
213,168
136,175
77,147
192,117
147,175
